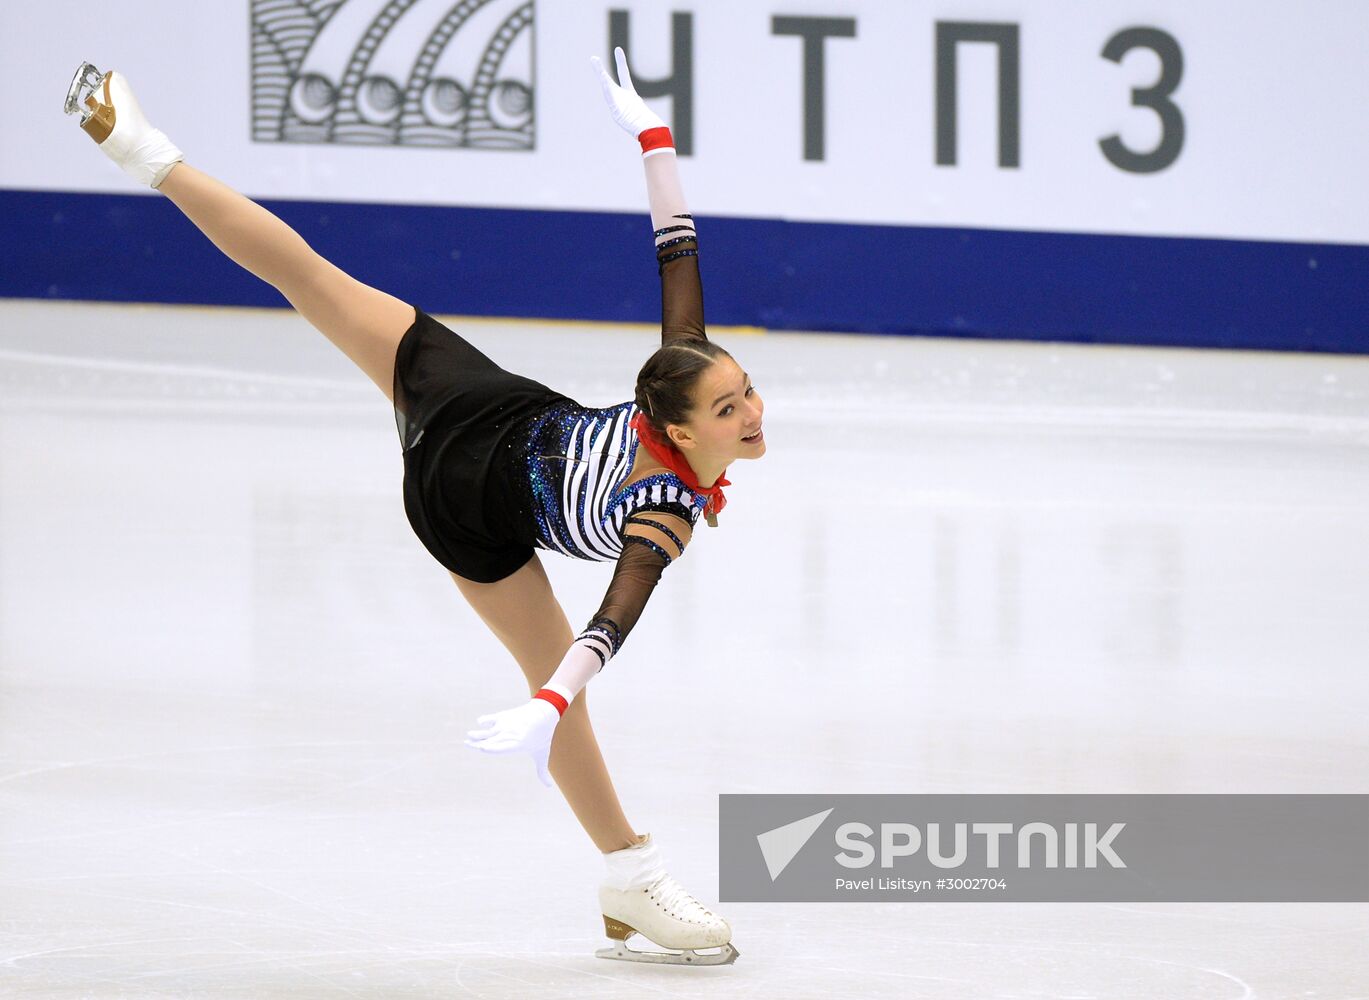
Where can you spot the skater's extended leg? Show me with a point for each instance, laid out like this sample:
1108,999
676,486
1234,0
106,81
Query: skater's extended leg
367,324
524,614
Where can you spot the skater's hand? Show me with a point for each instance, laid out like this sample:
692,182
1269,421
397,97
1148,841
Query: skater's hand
527,728
627,108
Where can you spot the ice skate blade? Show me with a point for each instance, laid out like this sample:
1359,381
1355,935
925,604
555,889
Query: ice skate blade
85,82
622,952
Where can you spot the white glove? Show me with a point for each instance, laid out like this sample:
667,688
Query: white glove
627,108
527,728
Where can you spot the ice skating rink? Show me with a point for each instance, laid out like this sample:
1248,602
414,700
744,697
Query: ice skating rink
233,685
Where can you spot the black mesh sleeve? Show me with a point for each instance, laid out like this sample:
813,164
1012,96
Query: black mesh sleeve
682,297
635,576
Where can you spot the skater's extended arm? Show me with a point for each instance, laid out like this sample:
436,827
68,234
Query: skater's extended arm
652,540
677,248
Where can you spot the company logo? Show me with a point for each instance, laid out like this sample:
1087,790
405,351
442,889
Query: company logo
782,844
778,846
1042,847
432,73
1081,842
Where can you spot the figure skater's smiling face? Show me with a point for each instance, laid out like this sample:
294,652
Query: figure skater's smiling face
726,419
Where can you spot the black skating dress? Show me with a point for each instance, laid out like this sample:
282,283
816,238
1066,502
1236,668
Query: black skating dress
497,465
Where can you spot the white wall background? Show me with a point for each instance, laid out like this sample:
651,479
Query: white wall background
1277,144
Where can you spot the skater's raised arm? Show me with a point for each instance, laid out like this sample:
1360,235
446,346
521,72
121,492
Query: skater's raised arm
677,255
677,248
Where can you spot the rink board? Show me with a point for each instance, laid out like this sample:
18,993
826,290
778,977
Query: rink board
766,273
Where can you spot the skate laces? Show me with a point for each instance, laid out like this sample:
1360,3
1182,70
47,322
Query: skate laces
677,901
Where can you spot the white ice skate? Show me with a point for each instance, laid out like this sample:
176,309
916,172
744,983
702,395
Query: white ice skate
638,897
111,116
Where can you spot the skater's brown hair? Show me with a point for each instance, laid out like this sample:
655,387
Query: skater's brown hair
665,385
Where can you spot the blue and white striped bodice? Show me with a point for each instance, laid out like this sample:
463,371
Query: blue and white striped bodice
578,462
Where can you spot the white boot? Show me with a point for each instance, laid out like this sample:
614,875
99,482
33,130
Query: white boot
638,897
110,115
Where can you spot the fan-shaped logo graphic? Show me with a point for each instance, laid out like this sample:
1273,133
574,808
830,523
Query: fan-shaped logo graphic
780,845
455,73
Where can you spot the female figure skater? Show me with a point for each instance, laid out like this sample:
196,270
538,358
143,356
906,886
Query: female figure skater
497,466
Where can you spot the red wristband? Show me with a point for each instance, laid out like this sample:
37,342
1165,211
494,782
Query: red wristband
546,694
656,138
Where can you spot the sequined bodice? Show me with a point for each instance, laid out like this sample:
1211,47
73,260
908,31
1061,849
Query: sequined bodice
578,462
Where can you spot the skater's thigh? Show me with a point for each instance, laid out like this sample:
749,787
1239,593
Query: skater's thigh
525,615
364,322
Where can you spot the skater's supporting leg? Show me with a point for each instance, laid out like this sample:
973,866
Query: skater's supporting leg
525,615
367,324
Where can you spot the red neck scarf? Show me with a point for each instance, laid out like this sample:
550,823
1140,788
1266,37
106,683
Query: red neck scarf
669,456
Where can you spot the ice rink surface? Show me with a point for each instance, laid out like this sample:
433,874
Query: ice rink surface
233,685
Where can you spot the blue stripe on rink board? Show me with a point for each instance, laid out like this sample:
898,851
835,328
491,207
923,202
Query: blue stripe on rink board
757,272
